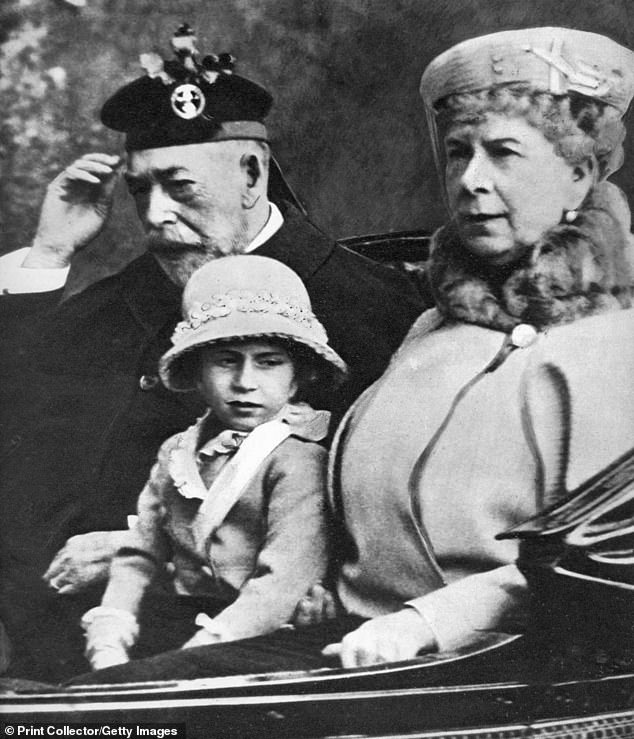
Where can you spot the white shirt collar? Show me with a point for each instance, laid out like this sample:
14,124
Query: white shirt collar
272,225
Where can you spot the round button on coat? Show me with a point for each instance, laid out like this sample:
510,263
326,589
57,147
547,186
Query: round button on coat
523,335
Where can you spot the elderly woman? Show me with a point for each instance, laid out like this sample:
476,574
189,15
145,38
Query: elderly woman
520,383
516,387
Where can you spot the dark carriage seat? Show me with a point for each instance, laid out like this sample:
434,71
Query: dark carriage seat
405,250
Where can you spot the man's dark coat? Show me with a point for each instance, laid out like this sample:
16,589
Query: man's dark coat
83,413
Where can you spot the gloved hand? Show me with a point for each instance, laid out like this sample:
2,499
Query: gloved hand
390,638
201,638
207,634
110,634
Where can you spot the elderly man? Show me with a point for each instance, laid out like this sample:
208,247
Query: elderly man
83,411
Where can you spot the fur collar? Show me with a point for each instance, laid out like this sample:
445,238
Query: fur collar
577,269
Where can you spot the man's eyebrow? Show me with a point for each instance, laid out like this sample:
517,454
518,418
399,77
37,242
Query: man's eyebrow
169,171
158,173
504,140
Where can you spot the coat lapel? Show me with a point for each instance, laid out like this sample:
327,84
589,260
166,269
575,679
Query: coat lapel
153,299
298,244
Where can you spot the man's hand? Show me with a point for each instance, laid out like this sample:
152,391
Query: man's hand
317,606
75,209
392,638
84,560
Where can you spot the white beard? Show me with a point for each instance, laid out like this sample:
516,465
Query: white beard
179,260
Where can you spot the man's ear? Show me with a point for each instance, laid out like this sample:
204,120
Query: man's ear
583,178
252,168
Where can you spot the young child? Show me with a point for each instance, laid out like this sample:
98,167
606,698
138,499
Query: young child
236,502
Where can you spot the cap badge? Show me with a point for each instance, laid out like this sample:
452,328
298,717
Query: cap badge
187,101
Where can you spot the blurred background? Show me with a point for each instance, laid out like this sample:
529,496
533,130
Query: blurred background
347,125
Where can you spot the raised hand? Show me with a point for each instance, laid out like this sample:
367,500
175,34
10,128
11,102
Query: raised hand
75,209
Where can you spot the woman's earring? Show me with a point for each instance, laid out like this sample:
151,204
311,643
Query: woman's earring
570,216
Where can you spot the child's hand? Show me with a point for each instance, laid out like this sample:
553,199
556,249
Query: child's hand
201,638
108,657
110,633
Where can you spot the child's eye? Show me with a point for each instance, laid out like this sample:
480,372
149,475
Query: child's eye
225,361
271,360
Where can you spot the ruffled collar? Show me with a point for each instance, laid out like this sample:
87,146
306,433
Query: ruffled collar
305,422
577,269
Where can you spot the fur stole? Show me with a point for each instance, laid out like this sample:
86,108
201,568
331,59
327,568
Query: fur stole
577,269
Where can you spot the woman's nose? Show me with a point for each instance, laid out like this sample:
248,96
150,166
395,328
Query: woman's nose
477,177
159,208
245,377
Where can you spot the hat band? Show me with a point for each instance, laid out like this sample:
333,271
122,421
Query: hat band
243,301
197,131
548,60
240,130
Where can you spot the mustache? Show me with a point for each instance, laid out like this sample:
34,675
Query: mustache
159,244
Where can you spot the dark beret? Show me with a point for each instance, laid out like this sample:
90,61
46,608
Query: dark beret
185,102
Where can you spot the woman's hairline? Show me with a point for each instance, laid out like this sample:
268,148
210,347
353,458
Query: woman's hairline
557,117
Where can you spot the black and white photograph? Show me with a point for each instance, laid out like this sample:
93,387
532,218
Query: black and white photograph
316,369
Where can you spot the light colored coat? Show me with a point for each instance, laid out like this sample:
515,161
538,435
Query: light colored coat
433,461
269,549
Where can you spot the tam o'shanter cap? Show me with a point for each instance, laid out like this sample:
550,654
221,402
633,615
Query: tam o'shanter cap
186,101
554,60
244,297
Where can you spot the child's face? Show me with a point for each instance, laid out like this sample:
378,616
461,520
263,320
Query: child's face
246,384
